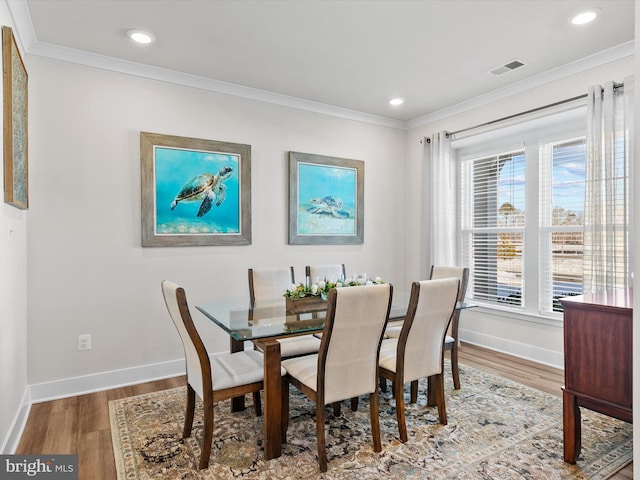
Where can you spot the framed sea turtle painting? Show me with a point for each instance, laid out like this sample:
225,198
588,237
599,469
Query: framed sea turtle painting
14,76
326,200
195,192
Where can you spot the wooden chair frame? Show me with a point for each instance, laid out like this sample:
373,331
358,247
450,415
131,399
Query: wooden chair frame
318,395
210,396
436,382
455,322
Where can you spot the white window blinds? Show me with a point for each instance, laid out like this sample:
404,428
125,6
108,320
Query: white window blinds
493,225
555,234
562,193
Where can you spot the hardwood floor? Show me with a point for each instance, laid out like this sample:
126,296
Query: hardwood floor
81,424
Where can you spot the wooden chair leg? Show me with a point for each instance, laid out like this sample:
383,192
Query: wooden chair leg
431,398
322,449
207,437
374,407
336,408
188,416
455,371
354,404
285,409
414,392
383,384
438,381
398,393
257,403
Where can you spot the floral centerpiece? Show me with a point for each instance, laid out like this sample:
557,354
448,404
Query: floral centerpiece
322,287
307,297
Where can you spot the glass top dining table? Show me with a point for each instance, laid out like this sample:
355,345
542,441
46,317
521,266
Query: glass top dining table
264,325
272,319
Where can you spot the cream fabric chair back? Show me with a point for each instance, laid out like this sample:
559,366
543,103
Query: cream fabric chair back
425,327
348,356
268,284
325,272
175,299
461,273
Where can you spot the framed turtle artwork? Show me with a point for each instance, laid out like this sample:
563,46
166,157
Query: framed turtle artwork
195,192
326,200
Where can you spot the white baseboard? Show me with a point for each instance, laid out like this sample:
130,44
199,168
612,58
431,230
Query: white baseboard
10,443
68,387
517,349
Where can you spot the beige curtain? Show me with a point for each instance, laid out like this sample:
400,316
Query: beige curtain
607,256
442,200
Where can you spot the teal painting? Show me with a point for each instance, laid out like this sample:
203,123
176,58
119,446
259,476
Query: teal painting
326,200
195,192
326,204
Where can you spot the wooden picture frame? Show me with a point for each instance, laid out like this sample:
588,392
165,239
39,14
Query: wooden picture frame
195,192
15,134
326,200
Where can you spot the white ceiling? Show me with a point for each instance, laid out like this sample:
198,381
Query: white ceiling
351,54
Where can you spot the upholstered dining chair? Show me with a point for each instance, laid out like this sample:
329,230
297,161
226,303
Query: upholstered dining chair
334,272
326,272
266,285
346,365
417,352
451,341
212,378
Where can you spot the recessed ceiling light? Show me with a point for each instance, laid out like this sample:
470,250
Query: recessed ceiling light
396,101
585,16
140,36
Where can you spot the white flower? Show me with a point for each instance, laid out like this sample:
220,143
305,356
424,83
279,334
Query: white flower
338,285
369,282
377,280
322,284
314,288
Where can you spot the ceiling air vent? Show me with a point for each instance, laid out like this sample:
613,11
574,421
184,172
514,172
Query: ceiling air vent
507,67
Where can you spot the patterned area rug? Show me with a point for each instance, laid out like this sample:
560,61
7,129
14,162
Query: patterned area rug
497,429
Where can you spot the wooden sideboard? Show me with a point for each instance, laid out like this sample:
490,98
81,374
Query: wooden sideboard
597,360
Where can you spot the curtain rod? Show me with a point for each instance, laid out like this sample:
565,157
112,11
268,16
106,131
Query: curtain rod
526,112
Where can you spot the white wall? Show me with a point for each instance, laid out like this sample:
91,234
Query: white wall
87,271
542,342
13,312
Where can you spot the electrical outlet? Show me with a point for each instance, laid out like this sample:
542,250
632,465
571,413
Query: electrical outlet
84,342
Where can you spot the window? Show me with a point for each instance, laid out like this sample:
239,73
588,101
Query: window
562,195
522,217
493,225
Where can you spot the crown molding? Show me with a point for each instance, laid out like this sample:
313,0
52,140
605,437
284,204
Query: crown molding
178,78
30,44
596,60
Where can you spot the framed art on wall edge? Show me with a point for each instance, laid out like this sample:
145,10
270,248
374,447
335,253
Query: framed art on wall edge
16,165
195,192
